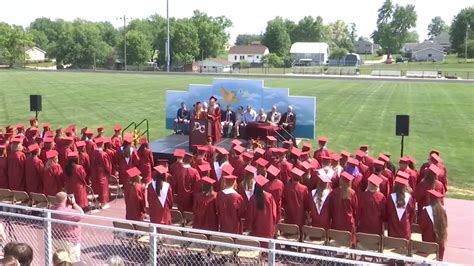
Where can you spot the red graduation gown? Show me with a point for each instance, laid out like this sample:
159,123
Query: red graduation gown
34,174
76,184
321,152
145,164
85,161
295,203
135,198
427,229
371,213
42,154
62,156
400,228
101,170
185,182
159,214
215,125
421,193
262,222
174,169
53,180
322,218
285,170
116,142
412,181
205,212
3,173
123,166
343,212
16,170
238,164
275,188
230,211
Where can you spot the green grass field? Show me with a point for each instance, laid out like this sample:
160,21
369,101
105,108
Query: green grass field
350,113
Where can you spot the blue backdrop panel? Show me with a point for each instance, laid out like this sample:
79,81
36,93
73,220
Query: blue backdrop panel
247,92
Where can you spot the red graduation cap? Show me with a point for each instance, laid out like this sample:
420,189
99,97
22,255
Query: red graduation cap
297,172
335,157
2,146
227,169
259,151
262,162
143,140
45,125
106,140
324,179
325,158
204,168
307,166
261,180
163,162
160,169
345,154
434,169
208,180
72,155
387,154
89,133
271,139
188,155
33,147
364,148
236,142
307,147
403,175
132,172
59,130
360,154
80,144
384,158
247,155
346,176
379,163
273,171
222,151
33,120
179,153
434,157
374,179
435,194
99,140
250,169
322,140
403,160
287,144
435,152
51,154
411,159
127,139
296,152
17,139
68,139
230,177
100,129
303,154
353,161
401,181
117,128
239,149
20,126
48,140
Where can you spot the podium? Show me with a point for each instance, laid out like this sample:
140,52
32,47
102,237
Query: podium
198,132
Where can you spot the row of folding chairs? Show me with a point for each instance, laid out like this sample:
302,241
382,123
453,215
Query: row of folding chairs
167,245
367,242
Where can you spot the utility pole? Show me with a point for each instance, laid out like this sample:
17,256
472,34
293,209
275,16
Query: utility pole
167,37
465,44
124,18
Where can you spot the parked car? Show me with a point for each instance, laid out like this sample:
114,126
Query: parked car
399,59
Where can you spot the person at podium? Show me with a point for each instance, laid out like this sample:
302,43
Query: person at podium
214,120
198,113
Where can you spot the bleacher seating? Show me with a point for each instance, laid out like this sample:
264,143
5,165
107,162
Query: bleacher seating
386,73
422,74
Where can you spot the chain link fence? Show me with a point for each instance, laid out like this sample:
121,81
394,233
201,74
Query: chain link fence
136,243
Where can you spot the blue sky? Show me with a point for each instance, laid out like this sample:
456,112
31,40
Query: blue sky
248,16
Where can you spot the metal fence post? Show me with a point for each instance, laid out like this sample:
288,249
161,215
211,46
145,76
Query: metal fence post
271,255
48,241
153,248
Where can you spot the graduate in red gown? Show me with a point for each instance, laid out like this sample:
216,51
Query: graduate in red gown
53,178
327,171
275,187
247,186
372,208
75,177
176,167
205,206
319,204
353,168
433,222
68,142
296,199
343,205
16,165
323,150
34,170
48,144
146,162
400,210
229,207
185,181
262,164
116,139
57,137
214,118
160,197
3,167
237,161
443,175
101,169
403,167
261,214
385,187
135,198
430,182
126,158
284,165
84,159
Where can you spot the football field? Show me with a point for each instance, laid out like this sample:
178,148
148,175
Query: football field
349,112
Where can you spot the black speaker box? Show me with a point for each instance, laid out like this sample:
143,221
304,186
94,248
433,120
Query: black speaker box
35,103
402,127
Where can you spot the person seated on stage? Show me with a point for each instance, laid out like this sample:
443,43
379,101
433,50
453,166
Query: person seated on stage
288,120
182,120
262,116
273,117
249,116
239,120
228,121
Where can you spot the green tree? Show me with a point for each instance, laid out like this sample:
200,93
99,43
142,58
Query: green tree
276,37
184,42
339,36
338,53
436,26
393,25
212,33
248,39
14,41
309,29
470,49
412,36
458,29
353,33
138,47
108,33
272,60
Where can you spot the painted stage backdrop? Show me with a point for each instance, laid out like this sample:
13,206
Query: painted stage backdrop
238,92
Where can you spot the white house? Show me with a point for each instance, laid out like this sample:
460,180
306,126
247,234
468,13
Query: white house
366,47
35,54
250,53
309,53
443,40
215,65
428,54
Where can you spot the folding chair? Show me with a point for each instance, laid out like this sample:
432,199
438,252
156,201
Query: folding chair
6,196
424,250
115,188
39,200
337,238
394,246
143,241
92,198
188,219
248,254
51,200
314,235
21,198
176,218
288,232
415,232
197,249
225,254
168,244
124,238
368,242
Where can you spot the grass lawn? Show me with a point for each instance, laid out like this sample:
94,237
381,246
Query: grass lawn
350,113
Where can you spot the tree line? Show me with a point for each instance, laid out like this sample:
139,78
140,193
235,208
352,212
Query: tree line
83,44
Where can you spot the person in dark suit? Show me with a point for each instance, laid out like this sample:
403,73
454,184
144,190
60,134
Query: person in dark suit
287,123
228,121
181,122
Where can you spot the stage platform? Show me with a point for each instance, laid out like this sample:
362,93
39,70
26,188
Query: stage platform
164,148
